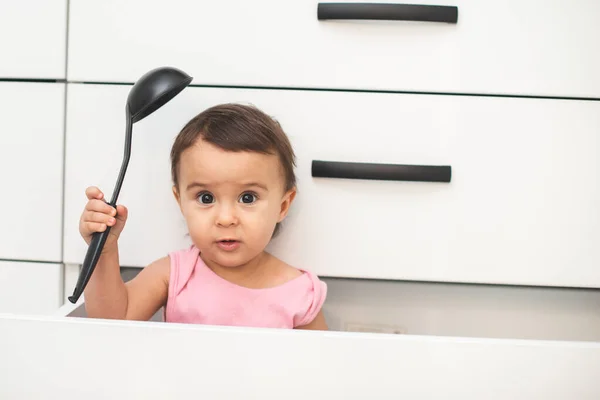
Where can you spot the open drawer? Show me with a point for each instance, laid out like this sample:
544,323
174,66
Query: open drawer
64,357
509,194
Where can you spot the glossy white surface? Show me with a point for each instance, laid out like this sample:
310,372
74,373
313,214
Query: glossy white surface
29,288
31,158
531,47
65,359
520,208
34,39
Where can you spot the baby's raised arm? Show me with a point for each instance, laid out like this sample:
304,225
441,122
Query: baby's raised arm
107,295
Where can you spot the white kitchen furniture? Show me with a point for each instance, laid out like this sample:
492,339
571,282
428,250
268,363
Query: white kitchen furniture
516,47
516,210
497,105
32,110
75,358
30,288
33,44
31,161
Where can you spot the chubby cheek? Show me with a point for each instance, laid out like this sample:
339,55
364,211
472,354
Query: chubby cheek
258,228
198,225
199,232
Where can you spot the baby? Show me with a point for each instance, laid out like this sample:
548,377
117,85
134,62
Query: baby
233,176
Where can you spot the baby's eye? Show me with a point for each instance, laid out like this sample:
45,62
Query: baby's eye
248,198
206,198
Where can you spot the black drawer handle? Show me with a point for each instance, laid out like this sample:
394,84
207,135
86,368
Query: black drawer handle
383,172
392,12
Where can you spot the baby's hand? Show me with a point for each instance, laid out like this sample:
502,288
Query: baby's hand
97,215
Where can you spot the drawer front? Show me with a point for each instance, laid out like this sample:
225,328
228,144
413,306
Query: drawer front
527,47
29,288
34,39
521,206
31,161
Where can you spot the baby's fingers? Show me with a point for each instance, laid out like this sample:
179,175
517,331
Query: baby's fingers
92,216
100,206
121,212
92,227
93,192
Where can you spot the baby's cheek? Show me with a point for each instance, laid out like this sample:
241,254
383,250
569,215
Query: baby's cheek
262,226
197,227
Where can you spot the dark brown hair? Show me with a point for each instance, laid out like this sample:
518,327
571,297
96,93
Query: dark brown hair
237,127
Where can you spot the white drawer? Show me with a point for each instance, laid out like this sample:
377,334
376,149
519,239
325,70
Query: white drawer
529,47
31,160
521,207
34,39
38,355
29,288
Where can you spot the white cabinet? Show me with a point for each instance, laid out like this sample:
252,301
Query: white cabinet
519,209
29,288
34,39
527,47
31,161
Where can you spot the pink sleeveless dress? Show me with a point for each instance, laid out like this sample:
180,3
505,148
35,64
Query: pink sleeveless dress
199,296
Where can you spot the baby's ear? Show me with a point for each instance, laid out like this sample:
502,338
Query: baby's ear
176,194
286,202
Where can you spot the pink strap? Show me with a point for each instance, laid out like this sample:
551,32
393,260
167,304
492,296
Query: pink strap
183,263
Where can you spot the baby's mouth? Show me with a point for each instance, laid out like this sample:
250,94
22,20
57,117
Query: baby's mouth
228,244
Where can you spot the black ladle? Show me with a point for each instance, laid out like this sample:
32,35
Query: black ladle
153,90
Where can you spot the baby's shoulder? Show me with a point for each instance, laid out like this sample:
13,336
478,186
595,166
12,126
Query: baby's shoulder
303,292
283,273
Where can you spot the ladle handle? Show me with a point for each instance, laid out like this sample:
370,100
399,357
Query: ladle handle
92,256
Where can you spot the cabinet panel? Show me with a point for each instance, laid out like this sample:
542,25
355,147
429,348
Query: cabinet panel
34,41
29,288
521,206
527,47
31,161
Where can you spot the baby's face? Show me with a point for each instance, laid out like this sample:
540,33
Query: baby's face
231,201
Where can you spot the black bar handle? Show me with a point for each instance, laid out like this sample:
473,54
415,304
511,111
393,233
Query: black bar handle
391,12
382,172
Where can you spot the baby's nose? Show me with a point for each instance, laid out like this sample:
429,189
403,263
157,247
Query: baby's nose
226,217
